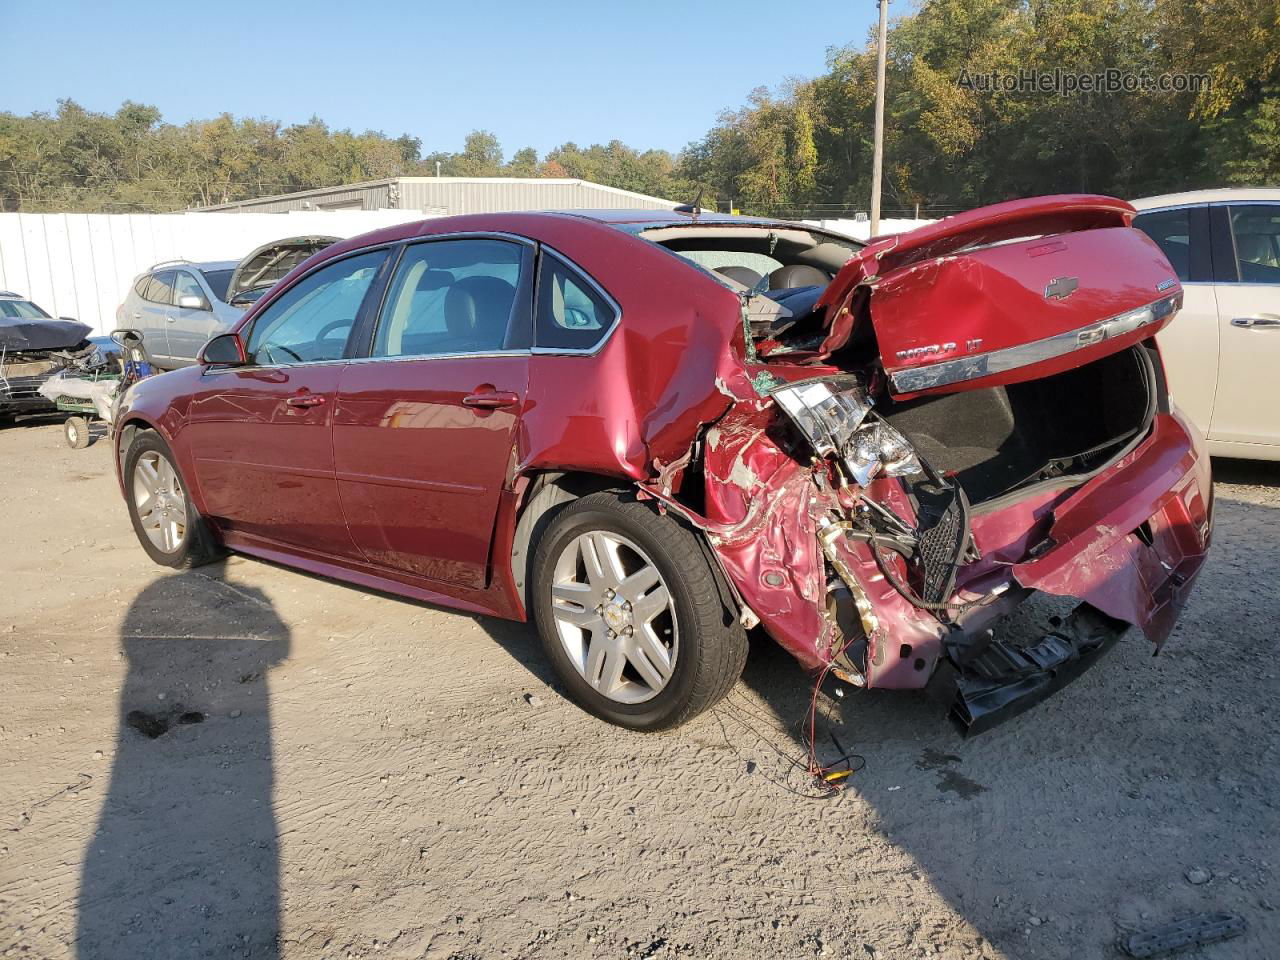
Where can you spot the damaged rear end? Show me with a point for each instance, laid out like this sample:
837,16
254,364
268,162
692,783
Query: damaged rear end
968,415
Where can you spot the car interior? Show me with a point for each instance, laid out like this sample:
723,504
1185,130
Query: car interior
1257,248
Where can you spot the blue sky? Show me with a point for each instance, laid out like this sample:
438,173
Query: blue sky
654,74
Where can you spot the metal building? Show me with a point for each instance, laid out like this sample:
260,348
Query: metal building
447,196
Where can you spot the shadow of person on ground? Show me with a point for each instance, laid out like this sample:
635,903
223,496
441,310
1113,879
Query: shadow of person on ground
184,861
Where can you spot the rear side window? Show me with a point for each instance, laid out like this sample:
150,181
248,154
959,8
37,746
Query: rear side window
1171,230
453,297
160,289
140,287
1256,229
572,314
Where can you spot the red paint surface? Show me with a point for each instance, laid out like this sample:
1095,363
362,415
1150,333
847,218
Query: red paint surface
393,482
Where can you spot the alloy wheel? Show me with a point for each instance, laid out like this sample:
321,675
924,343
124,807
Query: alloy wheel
159,500
615,616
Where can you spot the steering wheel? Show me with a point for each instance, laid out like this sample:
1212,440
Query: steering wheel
270,347
332,325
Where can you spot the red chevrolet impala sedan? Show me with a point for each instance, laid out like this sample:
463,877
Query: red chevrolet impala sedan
654,432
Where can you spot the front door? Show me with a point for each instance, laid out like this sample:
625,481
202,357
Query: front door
424,427
1249,331
261,434
189,326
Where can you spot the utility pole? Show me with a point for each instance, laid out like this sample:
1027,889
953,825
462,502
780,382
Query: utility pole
877,162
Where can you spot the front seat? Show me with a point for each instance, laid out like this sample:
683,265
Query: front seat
743,275
477,311
797,275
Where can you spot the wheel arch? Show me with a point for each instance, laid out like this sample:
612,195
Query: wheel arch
545,492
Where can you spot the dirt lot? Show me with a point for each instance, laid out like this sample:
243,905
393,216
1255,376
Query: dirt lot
374,777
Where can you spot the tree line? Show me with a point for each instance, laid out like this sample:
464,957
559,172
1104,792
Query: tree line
986,100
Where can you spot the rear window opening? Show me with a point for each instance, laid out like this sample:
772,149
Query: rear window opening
771,260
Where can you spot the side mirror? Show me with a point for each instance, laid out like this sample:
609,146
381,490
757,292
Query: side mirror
192,302
226,350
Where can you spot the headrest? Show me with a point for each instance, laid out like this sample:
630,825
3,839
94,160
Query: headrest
479,308
743,275
797,275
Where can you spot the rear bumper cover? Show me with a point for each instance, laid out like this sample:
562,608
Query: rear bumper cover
1128,543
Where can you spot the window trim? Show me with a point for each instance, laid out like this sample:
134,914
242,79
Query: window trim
364,352
245,330
535,350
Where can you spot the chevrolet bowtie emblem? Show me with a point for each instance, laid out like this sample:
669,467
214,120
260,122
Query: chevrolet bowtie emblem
1061,288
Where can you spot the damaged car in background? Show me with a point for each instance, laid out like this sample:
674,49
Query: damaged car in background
34,348
657,432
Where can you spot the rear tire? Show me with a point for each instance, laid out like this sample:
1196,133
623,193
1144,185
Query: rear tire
634,617
76,430
166,522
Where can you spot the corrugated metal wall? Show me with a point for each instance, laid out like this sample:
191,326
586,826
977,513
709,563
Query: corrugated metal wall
458,195
366,196
81,264
444,196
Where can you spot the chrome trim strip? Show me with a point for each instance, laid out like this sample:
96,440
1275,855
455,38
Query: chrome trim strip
405,357
982,365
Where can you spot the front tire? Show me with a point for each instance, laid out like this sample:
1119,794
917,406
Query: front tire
165,520
633,615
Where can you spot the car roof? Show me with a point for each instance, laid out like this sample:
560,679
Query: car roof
660,218
10,295
1221,195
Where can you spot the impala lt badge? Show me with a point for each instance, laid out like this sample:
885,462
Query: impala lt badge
1164,285
1061,288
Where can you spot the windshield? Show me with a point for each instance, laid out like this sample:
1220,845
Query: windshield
218,280
22,309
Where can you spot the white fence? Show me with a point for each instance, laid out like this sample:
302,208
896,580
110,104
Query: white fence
81,264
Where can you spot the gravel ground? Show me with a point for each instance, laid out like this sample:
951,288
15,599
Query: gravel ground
374,777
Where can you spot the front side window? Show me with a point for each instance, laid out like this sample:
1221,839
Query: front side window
160,289
185,285
1256,229
571,314
312,320
451,297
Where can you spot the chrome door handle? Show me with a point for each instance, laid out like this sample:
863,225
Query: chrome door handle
307,400
491,400
1261,320
171,319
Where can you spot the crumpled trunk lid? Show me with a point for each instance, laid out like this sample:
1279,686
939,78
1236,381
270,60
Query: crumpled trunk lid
1011,292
